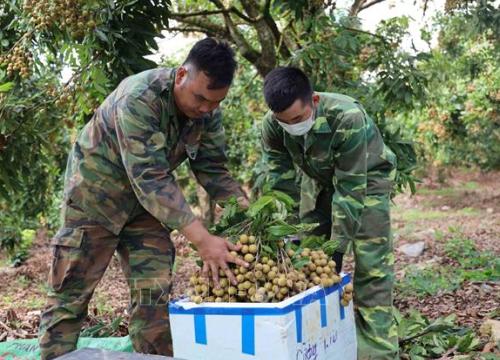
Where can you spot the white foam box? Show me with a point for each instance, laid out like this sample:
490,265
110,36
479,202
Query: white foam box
312,325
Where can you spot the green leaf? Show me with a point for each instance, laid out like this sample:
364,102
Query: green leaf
281,196
267,249
260,204
279,231
300,263
101,35
6,86
330,246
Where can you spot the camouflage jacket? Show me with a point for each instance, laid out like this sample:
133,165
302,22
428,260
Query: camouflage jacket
124,156
344,152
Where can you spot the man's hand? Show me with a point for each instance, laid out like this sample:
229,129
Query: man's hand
213,250
243,202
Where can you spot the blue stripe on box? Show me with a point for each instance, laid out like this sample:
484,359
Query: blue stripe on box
298,324
341,307
175,308
322,309
200,329
248,334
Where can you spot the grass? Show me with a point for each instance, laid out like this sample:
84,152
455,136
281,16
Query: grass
6,300
101,302
471,265
35,299
23,282
414,215
449,191
4,261
474,265
427,281
35,302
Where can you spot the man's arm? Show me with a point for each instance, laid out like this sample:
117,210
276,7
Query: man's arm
350,178
281,173
209,166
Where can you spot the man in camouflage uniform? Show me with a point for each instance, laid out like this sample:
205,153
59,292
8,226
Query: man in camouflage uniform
328,143
120,194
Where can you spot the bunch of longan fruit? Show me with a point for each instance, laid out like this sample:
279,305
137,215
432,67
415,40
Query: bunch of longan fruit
267,279
64,14
18,60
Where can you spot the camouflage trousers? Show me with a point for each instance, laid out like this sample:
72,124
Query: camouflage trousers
373,275
81,253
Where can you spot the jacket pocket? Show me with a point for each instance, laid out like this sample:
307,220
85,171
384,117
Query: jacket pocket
69,237
66,258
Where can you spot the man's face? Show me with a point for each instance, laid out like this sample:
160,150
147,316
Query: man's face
297,112
192,95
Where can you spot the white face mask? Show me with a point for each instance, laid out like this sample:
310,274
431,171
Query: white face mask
300,128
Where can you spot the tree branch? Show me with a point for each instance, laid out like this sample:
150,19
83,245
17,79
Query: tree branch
266,36
203,24
246,50
356,6
369,4
197,13
279,37
191,30
426,2
231,9
366,32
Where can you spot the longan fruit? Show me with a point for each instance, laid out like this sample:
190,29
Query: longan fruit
232,290
249,258
347,296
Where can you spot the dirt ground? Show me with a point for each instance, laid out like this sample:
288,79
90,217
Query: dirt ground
468,201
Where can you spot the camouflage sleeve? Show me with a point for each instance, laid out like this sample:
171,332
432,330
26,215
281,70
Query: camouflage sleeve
350,178
143,150
209,166
280,173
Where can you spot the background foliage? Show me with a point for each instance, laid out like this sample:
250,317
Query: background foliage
446,99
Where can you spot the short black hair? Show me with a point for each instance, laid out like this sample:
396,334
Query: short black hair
284,85
216,59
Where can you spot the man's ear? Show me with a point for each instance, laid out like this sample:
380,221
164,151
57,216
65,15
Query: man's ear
181,75
315,99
